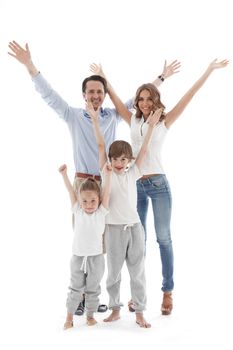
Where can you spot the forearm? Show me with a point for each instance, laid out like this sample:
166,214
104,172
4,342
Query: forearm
98,134
200,82
69,187
158,81
146,141
32,70
194,89
119,105
51,97
144,147
106,190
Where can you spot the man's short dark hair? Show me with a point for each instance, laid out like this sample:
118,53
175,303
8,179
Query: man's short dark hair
95,78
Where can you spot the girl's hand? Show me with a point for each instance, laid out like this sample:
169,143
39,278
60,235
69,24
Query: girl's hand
109,167
63,168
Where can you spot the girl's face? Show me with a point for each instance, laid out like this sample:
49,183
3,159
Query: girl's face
145,103
89,201
119,164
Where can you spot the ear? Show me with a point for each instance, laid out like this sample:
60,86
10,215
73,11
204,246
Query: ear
84,96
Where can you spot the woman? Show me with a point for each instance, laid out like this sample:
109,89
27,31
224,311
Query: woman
153,185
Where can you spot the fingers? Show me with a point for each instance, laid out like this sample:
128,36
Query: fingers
15,47
224,62
220,64
62,168
93,67
154,116
175,65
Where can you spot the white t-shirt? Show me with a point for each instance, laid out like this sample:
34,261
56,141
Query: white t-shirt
152,163
88,231
123,197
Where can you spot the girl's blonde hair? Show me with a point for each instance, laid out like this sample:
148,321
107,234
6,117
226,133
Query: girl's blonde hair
155,96
90,185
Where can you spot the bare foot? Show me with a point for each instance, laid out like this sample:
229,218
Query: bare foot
140,320
114,316
68,324
91,321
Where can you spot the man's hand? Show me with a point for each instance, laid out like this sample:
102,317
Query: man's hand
23,56
19,53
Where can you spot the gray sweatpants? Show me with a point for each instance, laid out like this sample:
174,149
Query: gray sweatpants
88,283
126,243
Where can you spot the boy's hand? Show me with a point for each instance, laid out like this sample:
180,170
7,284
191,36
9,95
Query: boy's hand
90,110
154,117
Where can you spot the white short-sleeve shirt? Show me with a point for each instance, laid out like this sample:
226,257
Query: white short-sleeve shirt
123,197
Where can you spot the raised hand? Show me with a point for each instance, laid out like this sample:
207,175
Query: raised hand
154,117
107,168
91,111
97,69
62,169
23,56
171,69
215,65
19,53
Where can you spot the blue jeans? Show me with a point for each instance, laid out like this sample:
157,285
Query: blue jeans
157,189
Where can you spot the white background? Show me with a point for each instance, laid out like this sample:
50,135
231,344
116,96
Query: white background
131,40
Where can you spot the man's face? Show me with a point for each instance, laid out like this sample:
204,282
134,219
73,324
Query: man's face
94,93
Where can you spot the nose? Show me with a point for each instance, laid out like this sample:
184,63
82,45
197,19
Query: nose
95,95
118,162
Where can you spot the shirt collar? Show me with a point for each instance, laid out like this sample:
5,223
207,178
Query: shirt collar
103,113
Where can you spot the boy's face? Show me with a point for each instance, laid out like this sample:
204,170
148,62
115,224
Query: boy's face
94,93
119,164
89,201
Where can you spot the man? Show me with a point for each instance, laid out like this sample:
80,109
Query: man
94,89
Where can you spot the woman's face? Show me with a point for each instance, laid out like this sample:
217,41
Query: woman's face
145,103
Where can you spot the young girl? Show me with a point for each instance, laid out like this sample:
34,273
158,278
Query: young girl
124,236
87,262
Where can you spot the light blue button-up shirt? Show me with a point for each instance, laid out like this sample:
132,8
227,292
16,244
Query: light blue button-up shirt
85,150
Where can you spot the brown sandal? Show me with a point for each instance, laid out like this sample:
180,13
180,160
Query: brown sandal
166,307
131,306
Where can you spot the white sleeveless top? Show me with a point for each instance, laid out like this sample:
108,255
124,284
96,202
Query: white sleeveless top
152,163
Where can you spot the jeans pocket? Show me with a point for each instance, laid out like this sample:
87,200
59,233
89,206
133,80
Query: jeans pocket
159,182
